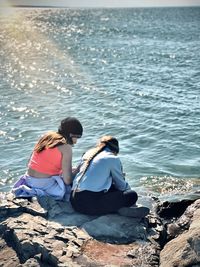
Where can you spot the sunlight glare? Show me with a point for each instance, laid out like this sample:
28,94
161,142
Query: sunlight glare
6,8
27,43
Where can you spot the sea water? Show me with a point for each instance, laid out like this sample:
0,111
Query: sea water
130,73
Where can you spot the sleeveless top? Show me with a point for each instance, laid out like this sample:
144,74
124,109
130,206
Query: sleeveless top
49,161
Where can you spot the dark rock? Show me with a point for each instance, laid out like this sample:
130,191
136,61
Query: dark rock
184,250
168,210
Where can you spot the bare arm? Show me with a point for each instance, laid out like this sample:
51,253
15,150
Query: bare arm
66,151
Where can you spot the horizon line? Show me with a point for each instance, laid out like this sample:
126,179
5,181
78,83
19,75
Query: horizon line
114,7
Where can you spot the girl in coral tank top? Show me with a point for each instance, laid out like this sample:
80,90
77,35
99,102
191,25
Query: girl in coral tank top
50,165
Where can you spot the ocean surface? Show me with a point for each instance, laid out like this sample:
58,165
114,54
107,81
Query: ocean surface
130,73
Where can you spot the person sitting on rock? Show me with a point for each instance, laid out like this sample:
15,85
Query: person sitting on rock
99,187
50,165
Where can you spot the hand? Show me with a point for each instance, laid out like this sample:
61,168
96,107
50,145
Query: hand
75,170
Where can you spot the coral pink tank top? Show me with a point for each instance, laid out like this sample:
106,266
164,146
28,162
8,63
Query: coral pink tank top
49,161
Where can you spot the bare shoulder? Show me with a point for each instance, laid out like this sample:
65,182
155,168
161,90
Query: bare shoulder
65,148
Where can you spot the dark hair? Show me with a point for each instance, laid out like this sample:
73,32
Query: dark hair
72,126
110,142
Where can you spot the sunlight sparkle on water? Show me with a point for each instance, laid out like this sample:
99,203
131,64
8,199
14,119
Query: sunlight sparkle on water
23,50
169,185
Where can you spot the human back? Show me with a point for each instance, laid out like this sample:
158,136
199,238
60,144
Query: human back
52,154
98,175
46,159
100,186
51,161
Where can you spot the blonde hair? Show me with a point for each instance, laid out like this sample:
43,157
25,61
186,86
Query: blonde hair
49,140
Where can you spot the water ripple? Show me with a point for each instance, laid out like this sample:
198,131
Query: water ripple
131,73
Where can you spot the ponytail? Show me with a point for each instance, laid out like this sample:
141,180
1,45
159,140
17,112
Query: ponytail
105,141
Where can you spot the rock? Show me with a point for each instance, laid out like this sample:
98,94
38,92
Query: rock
117,229
184,250
96,253
32,235
13,206
45,232
183,223
157,233
62,212
168,210
8,256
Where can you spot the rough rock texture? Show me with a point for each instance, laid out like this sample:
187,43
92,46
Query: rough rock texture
184,250
45,232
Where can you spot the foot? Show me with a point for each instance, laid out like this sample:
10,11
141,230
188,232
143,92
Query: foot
134,211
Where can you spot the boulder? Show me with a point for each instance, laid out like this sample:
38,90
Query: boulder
184,249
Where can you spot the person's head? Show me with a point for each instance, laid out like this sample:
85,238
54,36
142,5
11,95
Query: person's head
106,141
110,142
71,129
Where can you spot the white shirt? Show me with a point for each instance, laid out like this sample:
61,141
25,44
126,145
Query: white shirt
104,170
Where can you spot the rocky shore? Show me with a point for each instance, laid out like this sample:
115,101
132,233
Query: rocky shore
44,232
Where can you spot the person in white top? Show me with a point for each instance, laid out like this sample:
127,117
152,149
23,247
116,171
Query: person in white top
99,187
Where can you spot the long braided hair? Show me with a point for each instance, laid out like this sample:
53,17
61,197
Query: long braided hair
106,141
